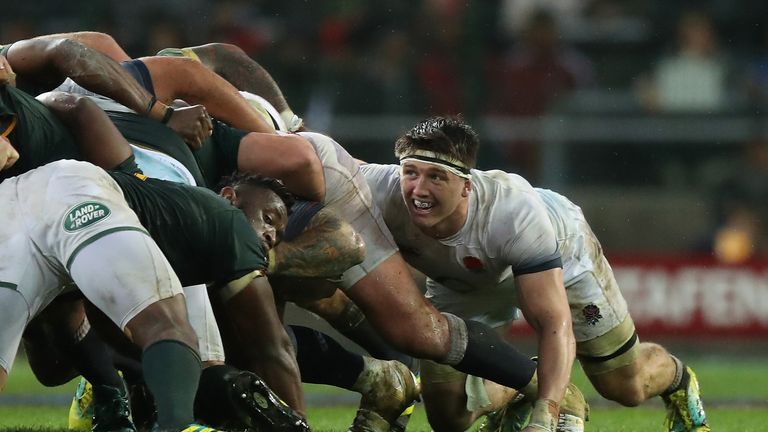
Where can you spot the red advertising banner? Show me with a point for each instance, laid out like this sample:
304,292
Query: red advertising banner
689,296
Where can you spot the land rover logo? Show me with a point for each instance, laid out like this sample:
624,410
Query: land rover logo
84,215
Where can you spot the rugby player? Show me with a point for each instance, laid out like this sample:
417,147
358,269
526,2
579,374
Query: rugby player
303,257
490,243
294,260
34,131
209,241
84,230
382,284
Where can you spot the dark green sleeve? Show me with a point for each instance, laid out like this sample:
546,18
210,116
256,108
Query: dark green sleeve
218,156
38,135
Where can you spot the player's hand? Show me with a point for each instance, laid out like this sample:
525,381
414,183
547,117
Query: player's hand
543,417
193,124
7,77
8,154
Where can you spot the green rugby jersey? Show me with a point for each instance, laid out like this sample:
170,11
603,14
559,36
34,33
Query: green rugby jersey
218,156
154,135
216,159
204,237
35,132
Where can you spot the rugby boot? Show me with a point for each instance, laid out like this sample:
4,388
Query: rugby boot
388,389
194,427
513,417
574,411
81,410
685,412
241,400
143,410
111,410
401,423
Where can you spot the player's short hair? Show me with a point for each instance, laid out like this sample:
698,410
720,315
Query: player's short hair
239,179
450,136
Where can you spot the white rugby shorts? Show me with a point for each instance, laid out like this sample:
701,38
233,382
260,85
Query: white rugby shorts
68,221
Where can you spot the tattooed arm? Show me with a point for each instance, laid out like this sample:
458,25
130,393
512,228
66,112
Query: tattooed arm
326,248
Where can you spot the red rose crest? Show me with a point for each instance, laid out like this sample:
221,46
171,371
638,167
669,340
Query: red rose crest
473,264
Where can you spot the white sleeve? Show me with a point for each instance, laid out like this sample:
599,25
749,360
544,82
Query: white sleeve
531,242
384,182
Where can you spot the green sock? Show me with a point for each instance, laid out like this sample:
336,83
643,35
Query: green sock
172,373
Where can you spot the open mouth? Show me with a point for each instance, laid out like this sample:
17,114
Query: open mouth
422,206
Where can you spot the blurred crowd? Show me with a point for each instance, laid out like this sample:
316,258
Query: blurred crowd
516,57
481,58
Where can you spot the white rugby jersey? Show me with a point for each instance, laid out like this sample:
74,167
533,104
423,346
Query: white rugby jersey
508,232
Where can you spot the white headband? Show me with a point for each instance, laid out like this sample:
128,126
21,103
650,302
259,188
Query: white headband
452,165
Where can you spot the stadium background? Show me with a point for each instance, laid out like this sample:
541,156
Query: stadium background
648,114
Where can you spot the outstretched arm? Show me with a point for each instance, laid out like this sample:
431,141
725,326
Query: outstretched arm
98,41
184,78
98,139
545,306
47,62
298,165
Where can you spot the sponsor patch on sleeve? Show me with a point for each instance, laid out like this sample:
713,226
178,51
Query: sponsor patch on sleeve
84,215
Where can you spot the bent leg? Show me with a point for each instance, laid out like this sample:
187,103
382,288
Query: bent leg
454,400
649,374
395,307
388,291
255,339
344,315
12,321
149,307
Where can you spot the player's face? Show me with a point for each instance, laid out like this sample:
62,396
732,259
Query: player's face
436,199
267,214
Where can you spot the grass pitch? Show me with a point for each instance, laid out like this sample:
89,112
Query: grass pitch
735,392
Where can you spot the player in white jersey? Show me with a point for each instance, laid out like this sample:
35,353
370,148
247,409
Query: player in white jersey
68,221
482,239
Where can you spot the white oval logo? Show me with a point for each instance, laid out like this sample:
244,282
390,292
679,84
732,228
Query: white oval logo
84,215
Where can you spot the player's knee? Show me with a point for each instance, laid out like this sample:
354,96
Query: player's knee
53,378
51,374
164,319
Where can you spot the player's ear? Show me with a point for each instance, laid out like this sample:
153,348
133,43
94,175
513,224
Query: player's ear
467,188
229,193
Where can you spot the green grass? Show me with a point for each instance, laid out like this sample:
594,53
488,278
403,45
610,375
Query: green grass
50,419
723,380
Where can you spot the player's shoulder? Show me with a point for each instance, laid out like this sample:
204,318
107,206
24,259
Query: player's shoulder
381,176
315,136
497,182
